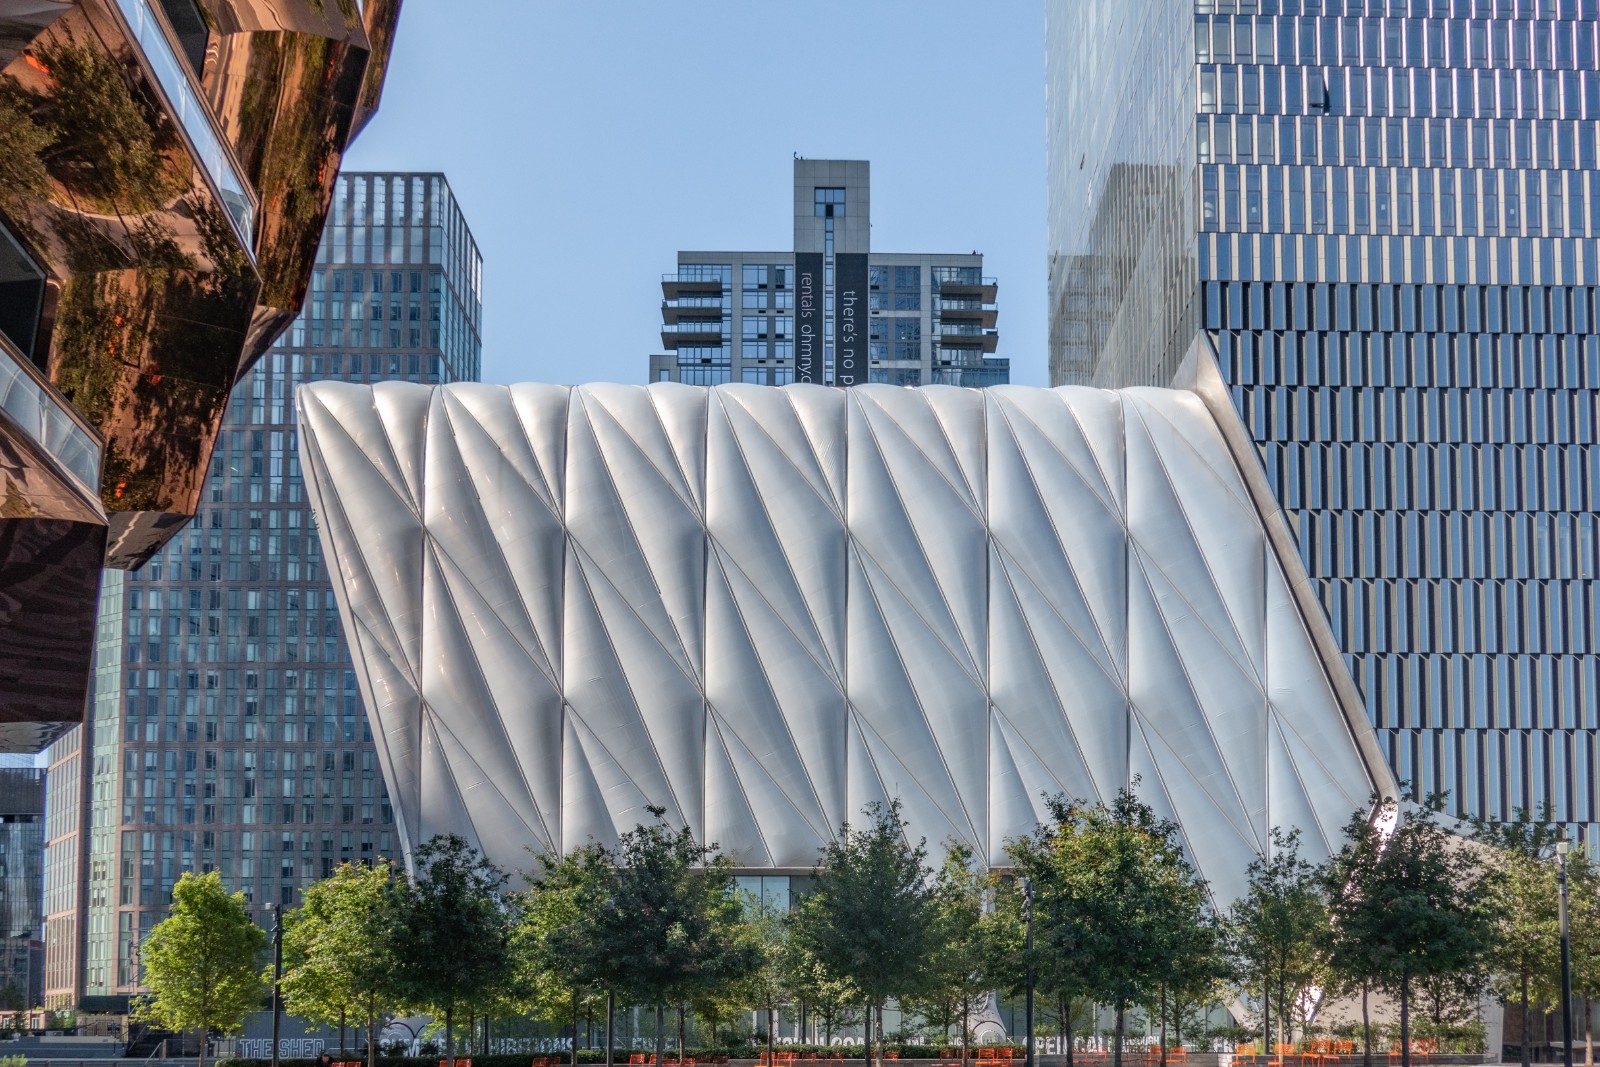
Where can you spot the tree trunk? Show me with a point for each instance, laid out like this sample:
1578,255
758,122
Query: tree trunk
372,1037
661,1032
1366,1027
611,1026
1266,1015
203,1034
1283,1008
772,1025
341,1034
1116,1052
1066,1025
966,1012
1527,1026
1405,1019
1163,1024
576,1012
681,1013
1588,1032
450,1037
866,1022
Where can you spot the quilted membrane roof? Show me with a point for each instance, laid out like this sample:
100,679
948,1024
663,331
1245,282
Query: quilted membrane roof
763,609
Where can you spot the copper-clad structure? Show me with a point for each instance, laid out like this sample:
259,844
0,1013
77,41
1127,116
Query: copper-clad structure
165,170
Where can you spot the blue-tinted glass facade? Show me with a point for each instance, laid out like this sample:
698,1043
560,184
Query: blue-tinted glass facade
1388,214
226,731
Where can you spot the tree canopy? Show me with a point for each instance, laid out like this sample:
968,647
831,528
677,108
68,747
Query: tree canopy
452,934
1278,933
202,963
1408,906
338,950
870,918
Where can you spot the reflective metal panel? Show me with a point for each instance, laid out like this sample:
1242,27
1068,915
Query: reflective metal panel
176,211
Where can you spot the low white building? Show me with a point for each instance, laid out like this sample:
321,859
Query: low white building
765,608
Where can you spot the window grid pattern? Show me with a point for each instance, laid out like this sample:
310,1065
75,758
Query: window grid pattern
229,732
746,332
1387,214
1398,206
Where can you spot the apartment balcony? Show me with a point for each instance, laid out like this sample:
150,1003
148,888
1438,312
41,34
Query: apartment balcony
673,286
965,310
954,335
687,309
694,333
970,286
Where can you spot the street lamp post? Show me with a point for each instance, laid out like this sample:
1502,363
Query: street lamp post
1027,915
277,976
1566,959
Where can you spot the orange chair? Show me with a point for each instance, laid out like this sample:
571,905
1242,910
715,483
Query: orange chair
1280,1057
1245,1055
891,1054
1177,1054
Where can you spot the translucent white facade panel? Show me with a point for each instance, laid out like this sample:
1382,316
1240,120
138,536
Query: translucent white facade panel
764,609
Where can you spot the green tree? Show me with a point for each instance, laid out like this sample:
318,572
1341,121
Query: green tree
834,1003
452,941
957,970
768,986
1356,959
1198,970
202,963
107,140
870,918
1413,906
1278,932
338,945
673,926
1119,899
23,175
558,940
1520,859
1059,967
1583,917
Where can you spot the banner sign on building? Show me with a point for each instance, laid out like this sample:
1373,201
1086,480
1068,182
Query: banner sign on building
850,318
808,316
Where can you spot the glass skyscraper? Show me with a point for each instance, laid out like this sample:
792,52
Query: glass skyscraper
225,731
1383,215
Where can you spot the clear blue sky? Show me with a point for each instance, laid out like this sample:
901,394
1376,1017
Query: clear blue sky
589,140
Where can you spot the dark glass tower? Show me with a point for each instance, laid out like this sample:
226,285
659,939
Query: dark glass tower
1383,214
225,731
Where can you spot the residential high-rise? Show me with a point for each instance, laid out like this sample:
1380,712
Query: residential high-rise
226,732
1376,221
831,310
165,167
